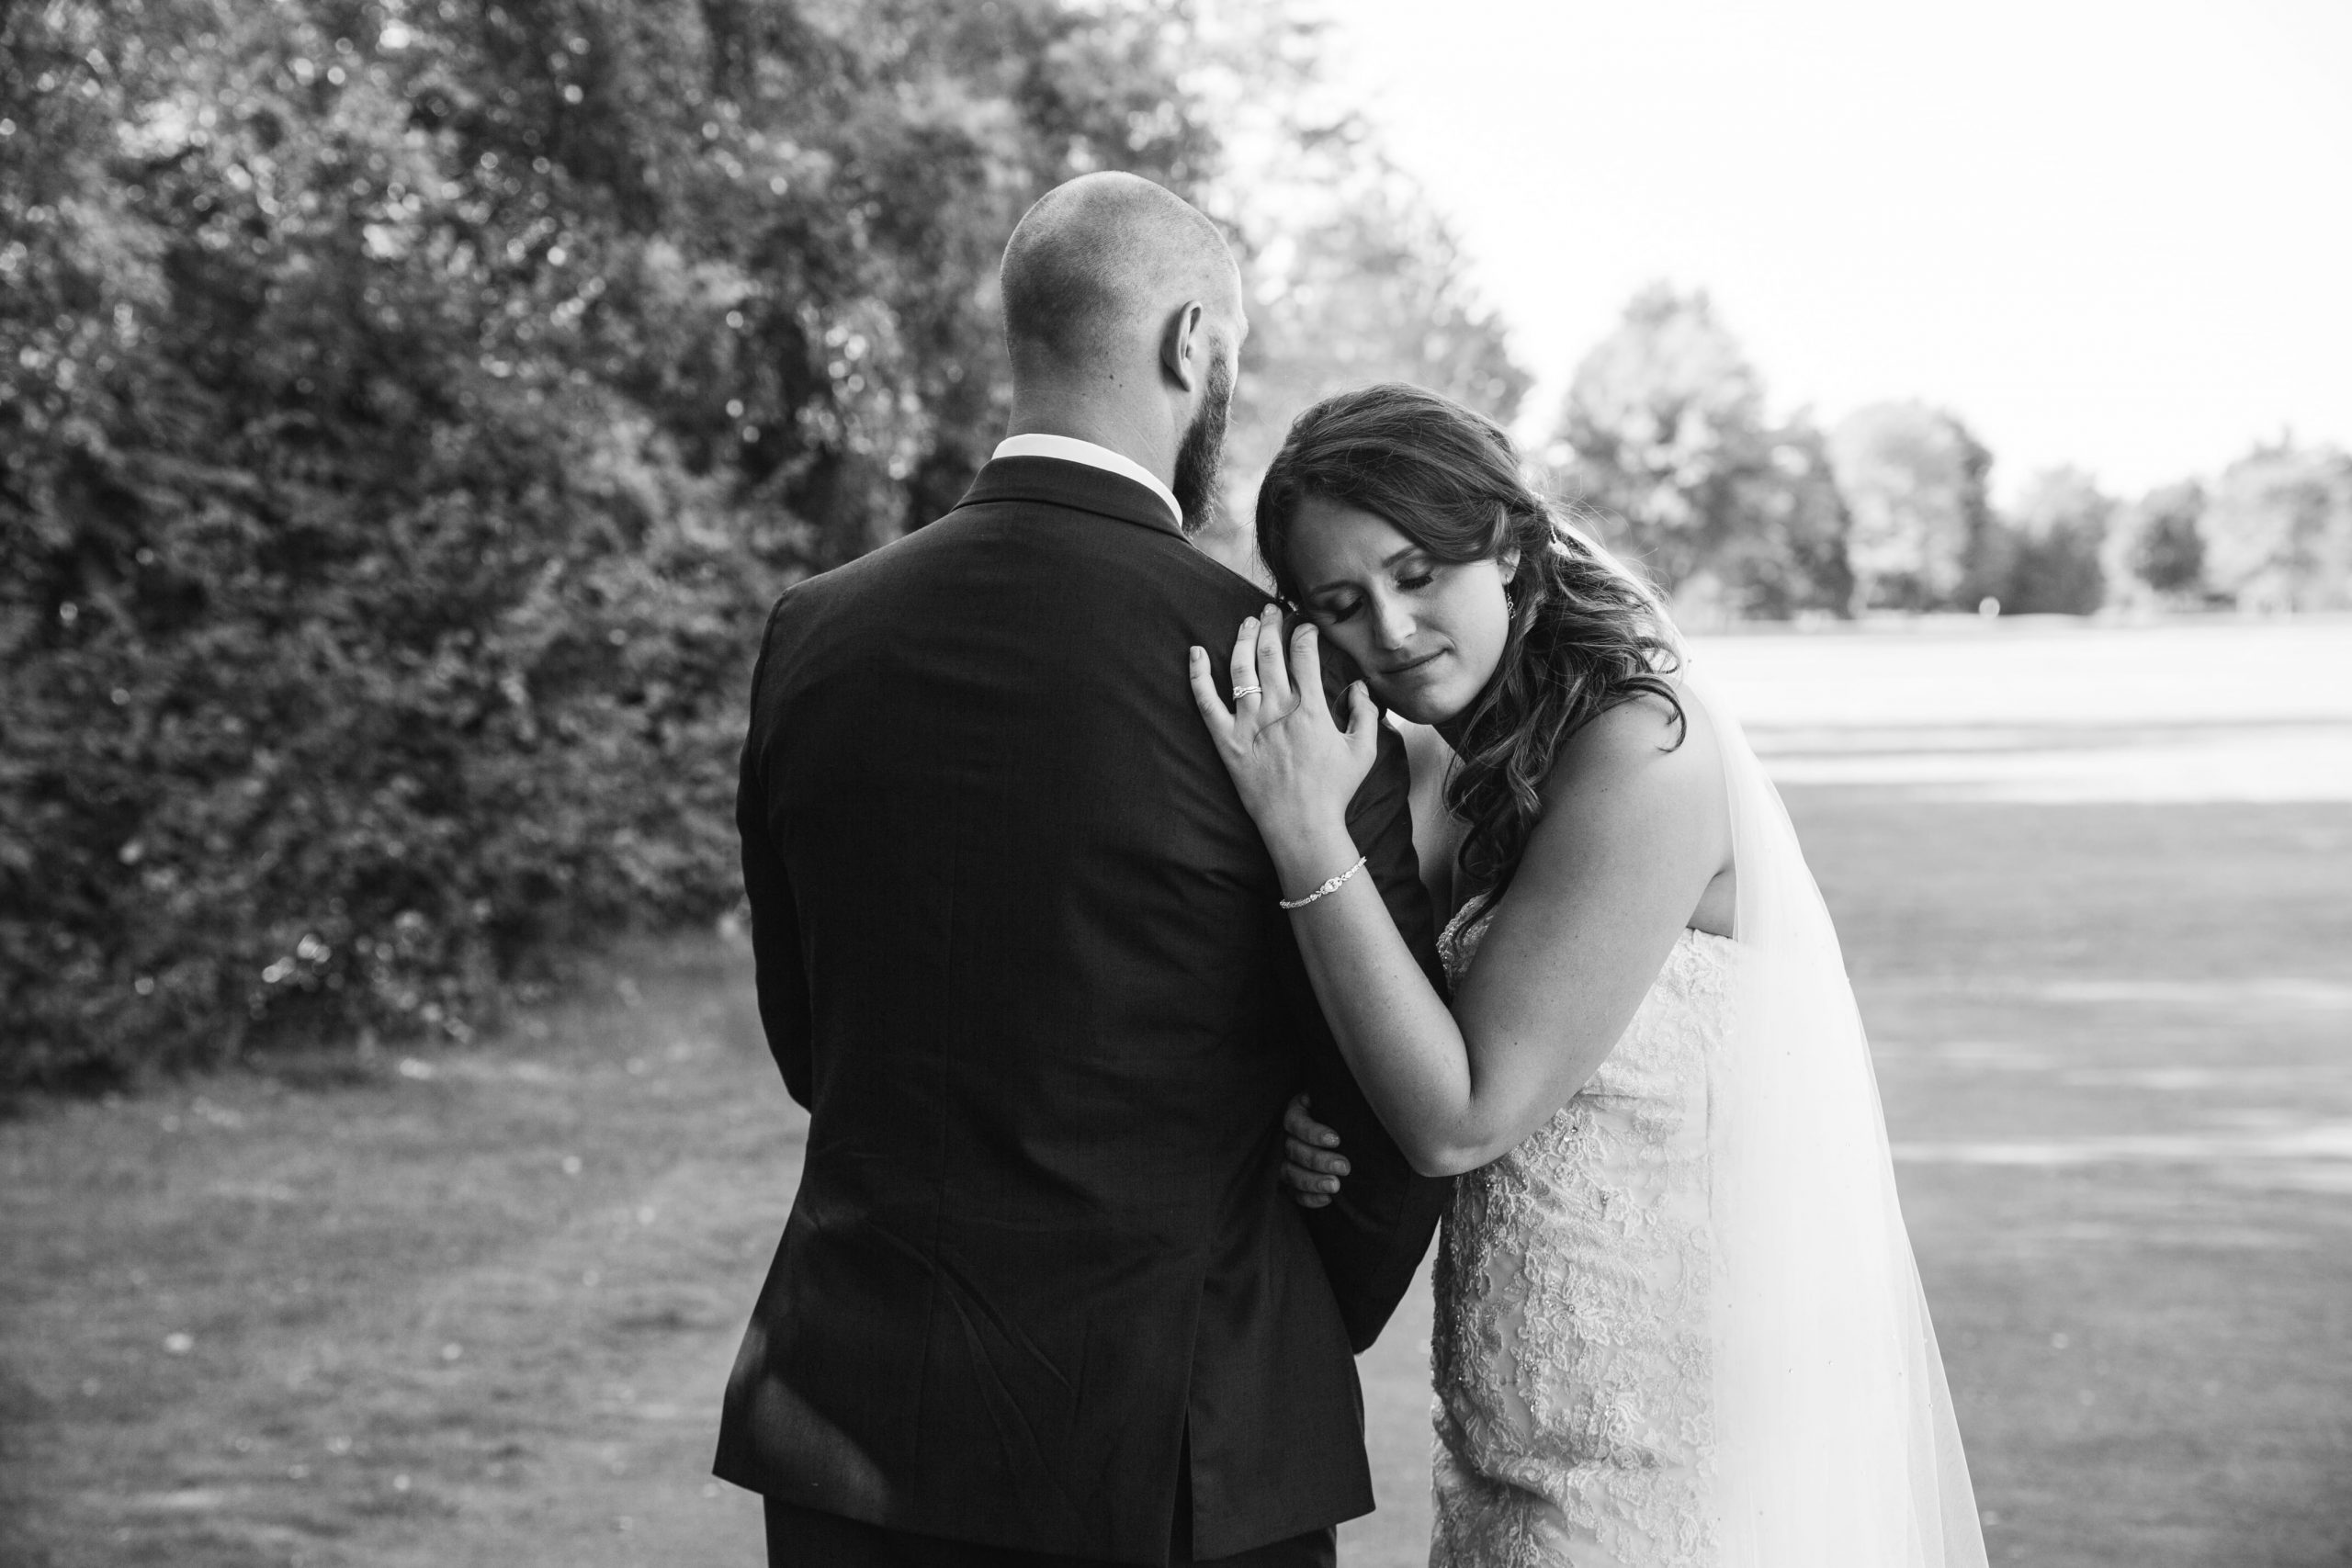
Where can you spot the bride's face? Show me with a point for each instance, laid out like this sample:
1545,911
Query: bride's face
1428,633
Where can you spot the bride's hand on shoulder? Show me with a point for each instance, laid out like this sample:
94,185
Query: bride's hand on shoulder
1295,768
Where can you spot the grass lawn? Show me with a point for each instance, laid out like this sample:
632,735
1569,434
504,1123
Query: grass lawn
465,1309
477,1307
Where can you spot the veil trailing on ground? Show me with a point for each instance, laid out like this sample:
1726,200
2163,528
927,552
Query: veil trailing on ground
1835,1442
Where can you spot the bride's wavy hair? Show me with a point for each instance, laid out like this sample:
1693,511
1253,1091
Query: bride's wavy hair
1585,634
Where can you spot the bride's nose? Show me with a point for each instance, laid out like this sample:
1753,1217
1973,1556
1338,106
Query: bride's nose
1393,622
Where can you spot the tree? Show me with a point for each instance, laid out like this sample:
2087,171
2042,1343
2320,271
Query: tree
1664,435
2278,532
1914,481
1664,422
2157,545
2059,531
1352,276
1785,554
1374,289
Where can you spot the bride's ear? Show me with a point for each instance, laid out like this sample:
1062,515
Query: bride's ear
1507,564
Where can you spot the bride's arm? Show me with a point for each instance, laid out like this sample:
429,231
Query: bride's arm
1631,835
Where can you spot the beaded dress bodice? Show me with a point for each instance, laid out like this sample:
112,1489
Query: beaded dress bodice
1571,1356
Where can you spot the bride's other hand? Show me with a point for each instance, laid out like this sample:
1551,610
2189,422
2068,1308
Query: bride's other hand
1312,1165
1294,767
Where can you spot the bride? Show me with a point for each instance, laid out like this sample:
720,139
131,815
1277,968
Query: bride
1678,1319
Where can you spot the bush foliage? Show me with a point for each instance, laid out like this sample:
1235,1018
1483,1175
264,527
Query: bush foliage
408,414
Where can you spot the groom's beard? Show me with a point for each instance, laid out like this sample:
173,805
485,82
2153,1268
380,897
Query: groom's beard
1201,456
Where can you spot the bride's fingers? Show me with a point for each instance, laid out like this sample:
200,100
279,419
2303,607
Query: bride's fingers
1273,669
1306,668
1205,697
1243,668
1363,717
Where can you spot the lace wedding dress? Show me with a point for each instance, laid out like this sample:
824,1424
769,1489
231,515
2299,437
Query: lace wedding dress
1680,1326
1573,1356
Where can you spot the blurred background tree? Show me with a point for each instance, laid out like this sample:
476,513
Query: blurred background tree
1922,535
2278,532
1664,420
1790,556
1351,275
2155,550
2057,533
1665,440
1363,285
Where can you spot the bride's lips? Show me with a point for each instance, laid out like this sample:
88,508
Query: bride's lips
1394,671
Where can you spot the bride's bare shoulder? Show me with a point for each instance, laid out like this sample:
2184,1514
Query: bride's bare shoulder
1647,735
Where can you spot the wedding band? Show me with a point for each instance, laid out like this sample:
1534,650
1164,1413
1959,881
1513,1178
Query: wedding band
1241,692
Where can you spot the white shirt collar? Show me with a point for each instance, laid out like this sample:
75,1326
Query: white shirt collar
1070,449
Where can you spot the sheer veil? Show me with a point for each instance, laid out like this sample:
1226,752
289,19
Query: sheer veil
1835,1442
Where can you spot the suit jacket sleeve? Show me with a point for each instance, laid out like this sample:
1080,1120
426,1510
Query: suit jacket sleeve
1374,1234
776,920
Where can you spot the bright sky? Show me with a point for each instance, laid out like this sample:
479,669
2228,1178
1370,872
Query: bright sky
2115,234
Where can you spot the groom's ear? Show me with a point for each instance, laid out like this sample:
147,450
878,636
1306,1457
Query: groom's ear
1184,346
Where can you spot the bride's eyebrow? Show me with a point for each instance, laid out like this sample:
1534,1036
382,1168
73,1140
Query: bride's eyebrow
1392,558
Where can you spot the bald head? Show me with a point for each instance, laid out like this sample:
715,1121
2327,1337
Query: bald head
1098,265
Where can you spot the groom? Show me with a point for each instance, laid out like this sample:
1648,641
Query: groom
1039,1300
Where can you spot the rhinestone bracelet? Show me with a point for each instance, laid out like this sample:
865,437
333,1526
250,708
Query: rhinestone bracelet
1327,889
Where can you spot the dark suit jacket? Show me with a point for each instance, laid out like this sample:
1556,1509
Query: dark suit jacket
1019,954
